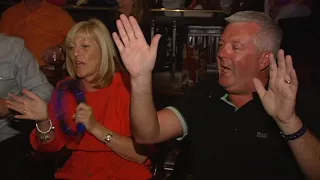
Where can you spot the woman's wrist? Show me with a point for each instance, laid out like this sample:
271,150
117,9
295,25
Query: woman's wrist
45,130
95,128
101,133
43,125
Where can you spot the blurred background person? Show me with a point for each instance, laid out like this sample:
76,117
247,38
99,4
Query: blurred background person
283,9
42,25
202,5
135,8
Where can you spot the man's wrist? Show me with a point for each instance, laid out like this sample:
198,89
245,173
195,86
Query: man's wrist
4,114
292,127
4,111
142,84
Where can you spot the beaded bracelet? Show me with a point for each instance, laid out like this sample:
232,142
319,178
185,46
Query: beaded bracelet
295,135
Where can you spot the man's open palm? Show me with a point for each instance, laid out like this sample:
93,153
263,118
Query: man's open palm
138,57
280,98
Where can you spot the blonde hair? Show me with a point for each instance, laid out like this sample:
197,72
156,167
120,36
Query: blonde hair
96,30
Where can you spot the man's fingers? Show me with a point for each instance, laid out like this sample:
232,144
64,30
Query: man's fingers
259,87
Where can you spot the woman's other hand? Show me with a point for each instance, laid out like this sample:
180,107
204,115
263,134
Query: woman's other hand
84,114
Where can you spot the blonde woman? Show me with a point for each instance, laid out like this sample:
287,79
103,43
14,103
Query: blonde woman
106,150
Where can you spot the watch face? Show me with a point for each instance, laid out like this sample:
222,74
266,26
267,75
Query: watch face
108,137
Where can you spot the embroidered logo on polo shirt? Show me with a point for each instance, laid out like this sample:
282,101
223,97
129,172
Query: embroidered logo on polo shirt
262,135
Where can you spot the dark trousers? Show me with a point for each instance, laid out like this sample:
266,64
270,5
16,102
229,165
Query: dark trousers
14,162
18,161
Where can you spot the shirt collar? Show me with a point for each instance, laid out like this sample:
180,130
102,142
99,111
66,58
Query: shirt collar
226,99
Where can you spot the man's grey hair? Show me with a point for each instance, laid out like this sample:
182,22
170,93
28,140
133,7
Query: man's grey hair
269,37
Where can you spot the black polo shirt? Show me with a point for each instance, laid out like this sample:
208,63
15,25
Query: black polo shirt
236,144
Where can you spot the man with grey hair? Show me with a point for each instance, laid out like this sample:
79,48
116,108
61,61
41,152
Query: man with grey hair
237,129
269,37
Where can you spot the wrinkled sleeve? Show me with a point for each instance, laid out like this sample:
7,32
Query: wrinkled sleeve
183,109
29,76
